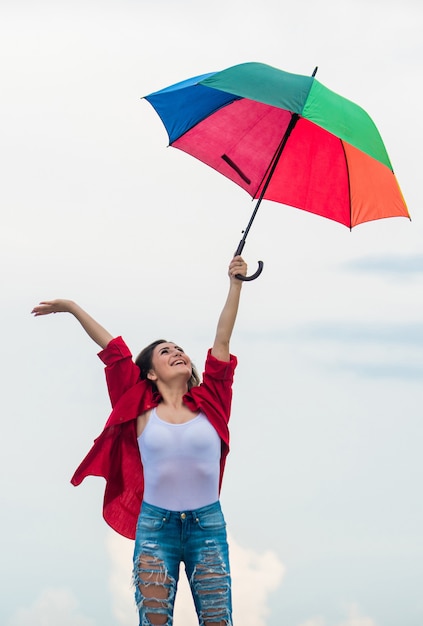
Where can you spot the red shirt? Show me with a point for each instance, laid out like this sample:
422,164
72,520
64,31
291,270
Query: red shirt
115,454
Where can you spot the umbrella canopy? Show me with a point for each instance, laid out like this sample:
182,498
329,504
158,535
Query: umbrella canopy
334,164
284,137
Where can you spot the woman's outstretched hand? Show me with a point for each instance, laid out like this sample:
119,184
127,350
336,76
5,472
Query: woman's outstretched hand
53,306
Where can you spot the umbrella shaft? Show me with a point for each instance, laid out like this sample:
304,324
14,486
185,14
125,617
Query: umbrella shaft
277,155
247,230
271,171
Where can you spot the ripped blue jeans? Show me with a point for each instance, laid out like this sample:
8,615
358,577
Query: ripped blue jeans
164,539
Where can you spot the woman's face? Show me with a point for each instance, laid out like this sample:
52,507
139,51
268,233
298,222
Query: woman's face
169,362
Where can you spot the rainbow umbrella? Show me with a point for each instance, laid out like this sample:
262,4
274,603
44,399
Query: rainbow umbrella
283,137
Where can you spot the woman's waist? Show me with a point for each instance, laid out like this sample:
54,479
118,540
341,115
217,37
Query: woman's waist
152,509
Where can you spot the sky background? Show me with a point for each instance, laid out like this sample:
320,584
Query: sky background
322,491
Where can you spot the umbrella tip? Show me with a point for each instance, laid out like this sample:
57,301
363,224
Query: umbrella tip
315,70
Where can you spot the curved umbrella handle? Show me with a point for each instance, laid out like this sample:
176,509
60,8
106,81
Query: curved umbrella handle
253,276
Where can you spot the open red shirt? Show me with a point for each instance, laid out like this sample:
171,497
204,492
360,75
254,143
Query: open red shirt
115,454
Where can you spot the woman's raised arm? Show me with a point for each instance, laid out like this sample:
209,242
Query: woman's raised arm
94,330
227,318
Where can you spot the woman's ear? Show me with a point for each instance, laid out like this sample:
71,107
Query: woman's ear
151,375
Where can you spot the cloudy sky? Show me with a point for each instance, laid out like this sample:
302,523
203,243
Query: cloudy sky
322,491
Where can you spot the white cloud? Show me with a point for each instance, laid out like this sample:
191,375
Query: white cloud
122,597
52,607
254,576
354,618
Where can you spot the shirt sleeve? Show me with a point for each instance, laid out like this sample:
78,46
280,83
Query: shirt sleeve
214,395
121,372
220,370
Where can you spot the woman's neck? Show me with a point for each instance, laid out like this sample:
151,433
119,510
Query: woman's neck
172,395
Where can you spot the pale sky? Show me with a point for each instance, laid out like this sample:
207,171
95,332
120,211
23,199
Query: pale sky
322,486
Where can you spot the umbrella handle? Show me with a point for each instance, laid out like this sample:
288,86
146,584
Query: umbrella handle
241,248
253,276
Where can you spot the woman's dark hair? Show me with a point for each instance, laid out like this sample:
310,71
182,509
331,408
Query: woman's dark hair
144,362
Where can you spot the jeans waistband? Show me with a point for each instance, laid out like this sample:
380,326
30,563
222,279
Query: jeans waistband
165,513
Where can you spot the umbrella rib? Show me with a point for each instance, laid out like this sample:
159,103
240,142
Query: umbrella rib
349,185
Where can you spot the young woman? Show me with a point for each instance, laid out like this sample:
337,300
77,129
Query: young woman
162,453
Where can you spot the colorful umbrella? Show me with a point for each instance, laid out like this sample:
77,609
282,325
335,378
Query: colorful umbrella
283,137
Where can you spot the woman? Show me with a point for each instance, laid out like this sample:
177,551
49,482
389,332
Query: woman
162,453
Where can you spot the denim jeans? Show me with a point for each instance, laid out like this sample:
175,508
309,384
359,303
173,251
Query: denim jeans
197,538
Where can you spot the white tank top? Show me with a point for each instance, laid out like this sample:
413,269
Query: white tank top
181,463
